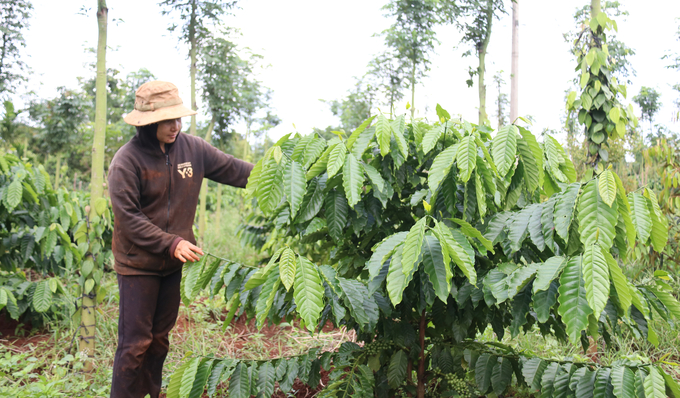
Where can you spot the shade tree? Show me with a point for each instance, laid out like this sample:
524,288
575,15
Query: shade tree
232,94
14,20
388,76
474,19
61,124
198,19
410,40
649,102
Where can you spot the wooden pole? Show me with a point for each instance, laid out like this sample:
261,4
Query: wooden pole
514,76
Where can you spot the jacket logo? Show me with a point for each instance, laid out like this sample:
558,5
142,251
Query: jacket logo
185,170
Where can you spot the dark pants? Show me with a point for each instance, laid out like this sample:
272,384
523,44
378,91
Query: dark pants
148,311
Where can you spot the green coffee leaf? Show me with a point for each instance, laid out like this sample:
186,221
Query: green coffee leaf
336,159
466,157
596,277
337,211
607,187
597,220
352,180
396,372
239,383
654,384
383,134
438,272
623,381
42,297
295,186
413,245
504,148
382,251
641,216
573,307
308,293
441,166
287,268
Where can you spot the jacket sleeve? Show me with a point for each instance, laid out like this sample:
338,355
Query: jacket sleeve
224,168
125,192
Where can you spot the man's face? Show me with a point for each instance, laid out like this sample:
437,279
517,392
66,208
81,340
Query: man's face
168,130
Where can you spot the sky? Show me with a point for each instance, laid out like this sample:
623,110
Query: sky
313,50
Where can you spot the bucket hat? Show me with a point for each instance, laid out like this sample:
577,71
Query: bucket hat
156,101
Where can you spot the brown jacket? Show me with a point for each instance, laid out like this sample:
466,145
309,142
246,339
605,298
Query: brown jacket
154,197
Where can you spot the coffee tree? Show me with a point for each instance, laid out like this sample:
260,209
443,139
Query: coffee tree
420,237
45,234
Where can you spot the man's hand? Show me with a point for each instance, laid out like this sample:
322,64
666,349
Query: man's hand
185,251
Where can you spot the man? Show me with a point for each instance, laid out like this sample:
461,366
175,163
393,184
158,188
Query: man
154,183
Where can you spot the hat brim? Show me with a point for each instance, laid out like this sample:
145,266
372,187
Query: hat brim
138,118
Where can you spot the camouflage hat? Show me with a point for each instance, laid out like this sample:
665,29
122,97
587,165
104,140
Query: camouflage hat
156,101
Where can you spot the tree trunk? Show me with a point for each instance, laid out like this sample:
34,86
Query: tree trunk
204,194
413,88
483,117
421,362
500,109
392,101
89,303
482,87
57,172
514,71
192,55
97,173
246,148
218,211
595,8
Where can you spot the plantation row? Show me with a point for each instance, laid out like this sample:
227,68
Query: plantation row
47,231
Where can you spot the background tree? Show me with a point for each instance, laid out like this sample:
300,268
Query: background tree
232,94
388,75
120,99
257,112
648,99
13,131
501,100
14,16
197,17
674,57
61,122
474,18
411,38
357,106
676,102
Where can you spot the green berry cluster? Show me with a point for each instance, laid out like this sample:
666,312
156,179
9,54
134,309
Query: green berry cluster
437,340
377,346
458,384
